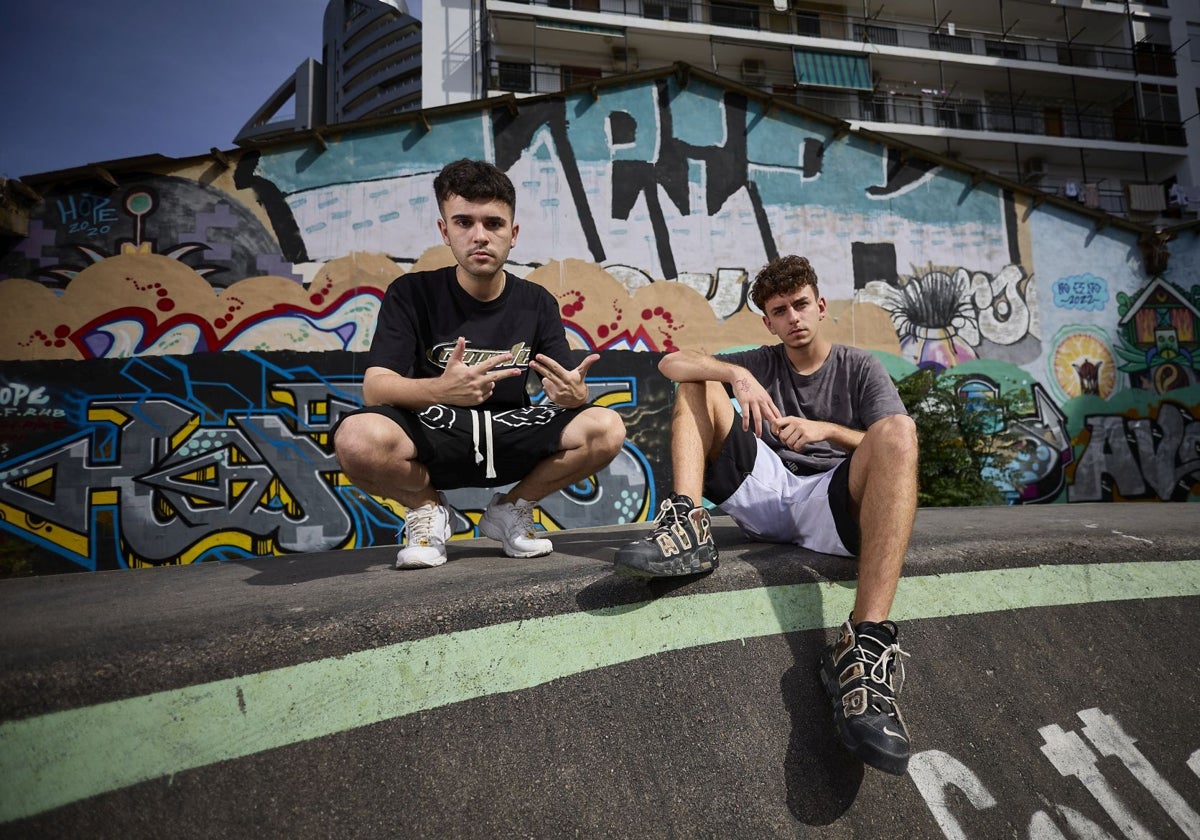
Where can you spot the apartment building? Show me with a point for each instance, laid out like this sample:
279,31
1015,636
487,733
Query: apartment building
370,67
1090,99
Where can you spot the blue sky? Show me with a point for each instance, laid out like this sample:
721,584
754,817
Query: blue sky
86,82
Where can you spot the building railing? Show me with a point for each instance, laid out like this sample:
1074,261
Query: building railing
1149,59
974,115
1084,121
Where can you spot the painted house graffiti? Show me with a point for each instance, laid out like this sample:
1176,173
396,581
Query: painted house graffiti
1158,329
646,208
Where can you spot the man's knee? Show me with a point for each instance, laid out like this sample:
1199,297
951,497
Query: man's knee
364,439
604,432
897,437
701,398
702,391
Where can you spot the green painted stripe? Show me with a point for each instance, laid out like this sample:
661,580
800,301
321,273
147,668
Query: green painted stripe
59,758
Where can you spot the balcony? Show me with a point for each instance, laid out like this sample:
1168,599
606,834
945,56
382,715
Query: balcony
993,113
1038,42
1086,121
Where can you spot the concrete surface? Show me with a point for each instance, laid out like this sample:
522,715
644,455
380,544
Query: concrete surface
1052,692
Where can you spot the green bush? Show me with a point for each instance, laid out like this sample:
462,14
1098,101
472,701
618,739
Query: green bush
965,444
14,557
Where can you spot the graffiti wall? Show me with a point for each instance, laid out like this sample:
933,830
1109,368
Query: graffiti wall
175,348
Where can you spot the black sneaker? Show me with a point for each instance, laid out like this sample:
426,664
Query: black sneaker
858,674
681,543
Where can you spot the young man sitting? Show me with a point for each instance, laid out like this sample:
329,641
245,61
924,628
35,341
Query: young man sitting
823,455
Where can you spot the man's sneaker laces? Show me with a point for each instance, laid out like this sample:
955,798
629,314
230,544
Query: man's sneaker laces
863,675
680,544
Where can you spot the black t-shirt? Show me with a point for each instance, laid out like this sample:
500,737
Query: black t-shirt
423,314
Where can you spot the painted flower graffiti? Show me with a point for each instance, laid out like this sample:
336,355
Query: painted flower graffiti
941,316
933,317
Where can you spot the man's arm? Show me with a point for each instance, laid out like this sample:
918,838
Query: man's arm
795,432
876,392
693,366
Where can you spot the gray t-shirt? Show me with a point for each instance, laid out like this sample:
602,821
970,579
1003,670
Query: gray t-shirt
851,389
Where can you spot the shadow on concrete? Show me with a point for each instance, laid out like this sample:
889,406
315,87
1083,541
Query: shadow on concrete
618,591
822,778
304,568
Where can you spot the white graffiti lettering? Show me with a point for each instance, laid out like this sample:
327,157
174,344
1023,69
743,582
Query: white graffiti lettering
1138,457
15,394
934,772
1003,313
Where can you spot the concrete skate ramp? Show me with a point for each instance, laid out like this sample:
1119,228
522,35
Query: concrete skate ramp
1052,692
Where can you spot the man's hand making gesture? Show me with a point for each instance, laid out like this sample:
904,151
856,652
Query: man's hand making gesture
565,388
467,385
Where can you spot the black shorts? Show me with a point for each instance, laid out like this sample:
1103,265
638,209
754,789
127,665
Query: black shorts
472,447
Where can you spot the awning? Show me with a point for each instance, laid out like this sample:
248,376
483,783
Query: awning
832,69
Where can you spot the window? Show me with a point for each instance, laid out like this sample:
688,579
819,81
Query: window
676,10
1161,102
1004,49
809,23
516,76
876,34
964,114
949,43
734,14
1154,59
571,75
909,110
873,108
893,108
1161,109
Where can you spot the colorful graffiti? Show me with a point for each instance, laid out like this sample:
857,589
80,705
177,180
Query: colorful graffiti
228,455
646,210
941,316
214,233
1160,340
1150,457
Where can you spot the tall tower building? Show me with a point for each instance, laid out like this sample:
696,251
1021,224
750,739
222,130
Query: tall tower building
370,67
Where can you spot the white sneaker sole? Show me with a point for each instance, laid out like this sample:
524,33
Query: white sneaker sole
419,564
492,533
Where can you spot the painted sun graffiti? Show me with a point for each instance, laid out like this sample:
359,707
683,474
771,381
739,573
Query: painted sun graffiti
139,203
1082,363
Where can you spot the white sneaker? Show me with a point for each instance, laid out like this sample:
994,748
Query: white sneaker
513,525
426,529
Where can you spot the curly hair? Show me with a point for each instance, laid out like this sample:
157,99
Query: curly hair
783,276
474,180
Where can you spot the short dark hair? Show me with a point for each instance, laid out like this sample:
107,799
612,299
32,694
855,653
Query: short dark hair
783,276
474,180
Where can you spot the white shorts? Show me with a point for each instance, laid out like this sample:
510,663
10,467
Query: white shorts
771,504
